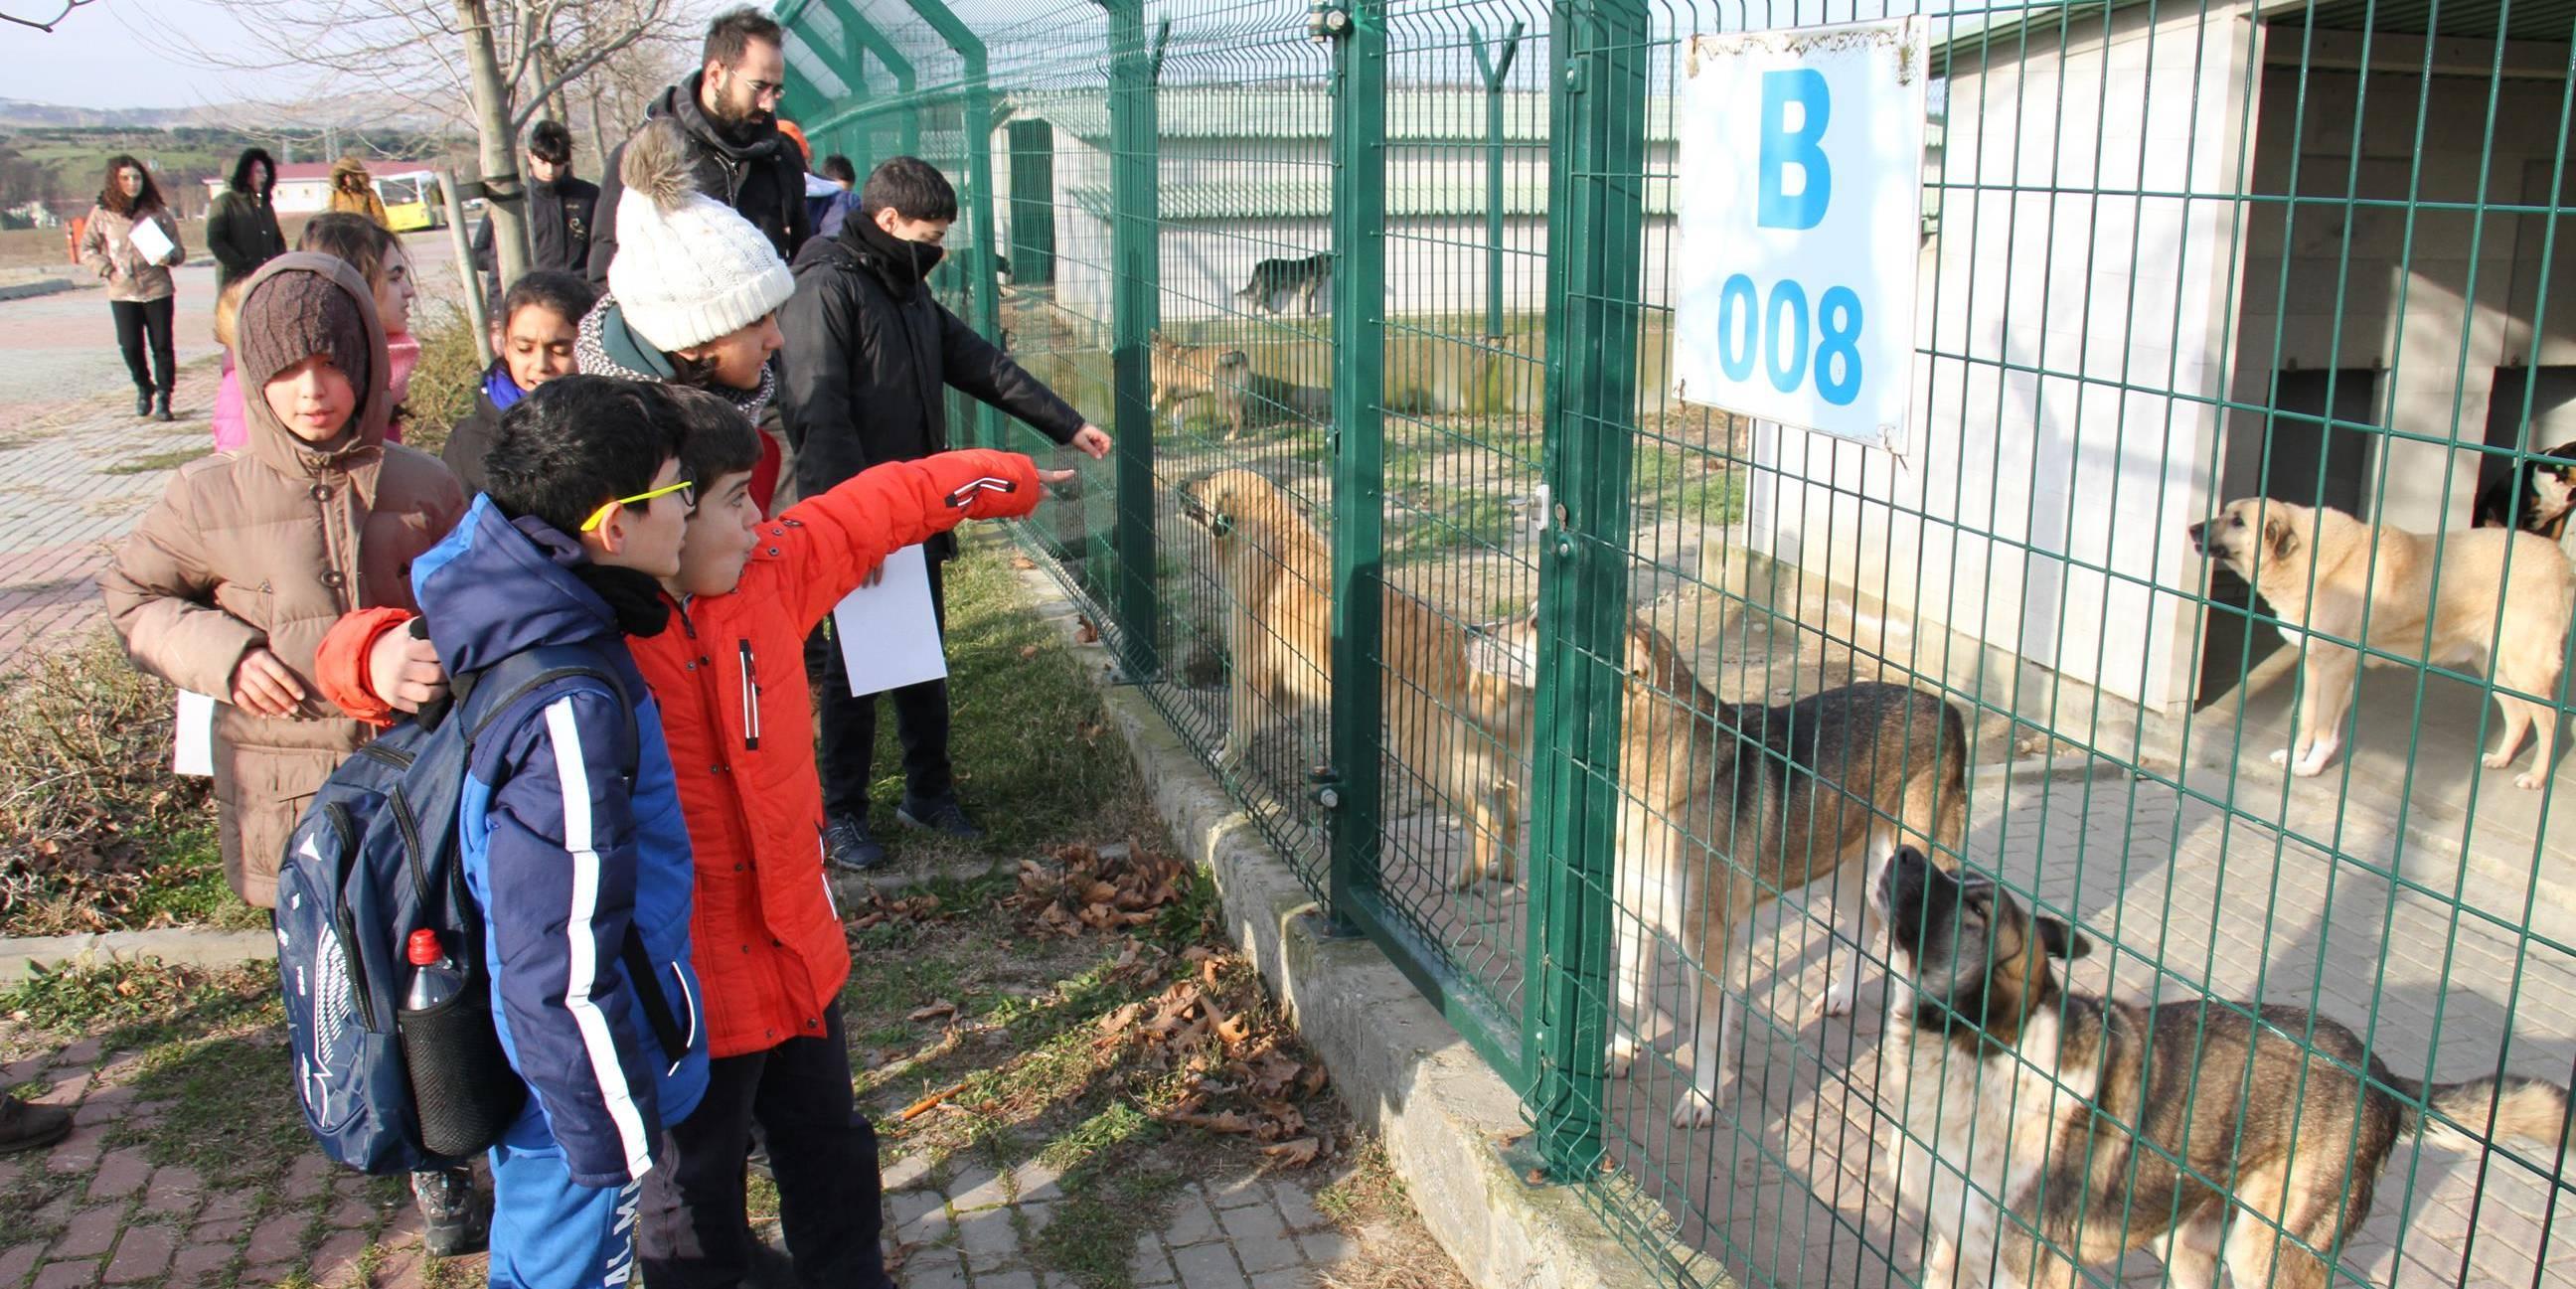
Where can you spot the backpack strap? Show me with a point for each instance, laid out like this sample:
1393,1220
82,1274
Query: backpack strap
481,698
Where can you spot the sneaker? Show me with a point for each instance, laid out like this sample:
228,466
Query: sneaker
24,1126
849,847
455,1218
943,816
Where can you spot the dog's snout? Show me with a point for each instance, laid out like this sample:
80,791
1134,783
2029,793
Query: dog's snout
2199,536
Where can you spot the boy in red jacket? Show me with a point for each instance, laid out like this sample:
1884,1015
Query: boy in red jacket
768,940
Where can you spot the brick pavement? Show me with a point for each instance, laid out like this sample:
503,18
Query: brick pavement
75,477
974,1231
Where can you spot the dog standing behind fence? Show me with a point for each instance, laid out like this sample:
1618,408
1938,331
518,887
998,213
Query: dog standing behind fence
1463,733
2002,1090
1310,280
1730,805
2323,570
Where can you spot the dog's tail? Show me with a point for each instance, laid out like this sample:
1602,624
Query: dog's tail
2531,1109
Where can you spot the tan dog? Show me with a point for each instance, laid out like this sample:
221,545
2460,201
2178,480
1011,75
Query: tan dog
1460,731
1730,805
1185,373
2320,569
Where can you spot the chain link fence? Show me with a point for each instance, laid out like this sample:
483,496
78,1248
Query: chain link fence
1598,709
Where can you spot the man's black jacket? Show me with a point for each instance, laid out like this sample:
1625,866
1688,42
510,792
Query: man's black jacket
560,218
870,356
763,179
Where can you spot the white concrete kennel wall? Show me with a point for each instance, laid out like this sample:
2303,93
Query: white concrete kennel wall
2420,321
2071,329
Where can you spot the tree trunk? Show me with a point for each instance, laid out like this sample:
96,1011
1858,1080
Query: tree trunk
505,196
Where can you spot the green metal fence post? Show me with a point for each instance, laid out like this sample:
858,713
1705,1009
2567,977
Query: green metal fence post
983,284
1358,437
906,80
1136,297
1494,68
1596,211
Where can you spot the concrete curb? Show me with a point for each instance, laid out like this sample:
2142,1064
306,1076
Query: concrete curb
179,946
30,290
1402,1069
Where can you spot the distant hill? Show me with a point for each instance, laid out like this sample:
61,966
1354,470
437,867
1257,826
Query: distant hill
19,114
345,112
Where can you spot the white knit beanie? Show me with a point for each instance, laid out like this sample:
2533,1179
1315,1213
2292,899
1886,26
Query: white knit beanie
688,268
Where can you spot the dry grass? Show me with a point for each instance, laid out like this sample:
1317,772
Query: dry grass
96,833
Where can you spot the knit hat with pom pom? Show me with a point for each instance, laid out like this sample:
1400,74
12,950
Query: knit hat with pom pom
688,268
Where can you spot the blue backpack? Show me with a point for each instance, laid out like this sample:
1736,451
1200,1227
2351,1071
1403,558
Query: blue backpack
374,858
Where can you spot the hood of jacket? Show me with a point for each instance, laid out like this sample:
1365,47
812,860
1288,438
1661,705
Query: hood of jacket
604,345
343,168
240,181
680,103
364,436
496,586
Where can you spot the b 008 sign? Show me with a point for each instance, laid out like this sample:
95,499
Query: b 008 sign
1774,333
1798,185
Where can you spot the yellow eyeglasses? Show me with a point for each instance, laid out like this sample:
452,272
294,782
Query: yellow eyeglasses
687,488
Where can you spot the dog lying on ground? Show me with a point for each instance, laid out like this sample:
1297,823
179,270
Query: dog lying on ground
2547,494
1460,731
2321,569
1731,804
2005,1091
1309,279
1186,373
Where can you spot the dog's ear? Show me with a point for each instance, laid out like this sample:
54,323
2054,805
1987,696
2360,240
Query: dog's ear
2059,939
2280,536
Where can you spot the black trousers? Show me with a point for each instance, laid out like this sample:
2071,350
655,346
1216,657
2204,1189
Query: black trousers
849,740
135,319
691,1232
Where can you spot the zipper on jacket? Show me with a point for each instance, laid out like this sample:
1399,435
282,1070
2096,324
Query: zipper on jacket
750,699
346,918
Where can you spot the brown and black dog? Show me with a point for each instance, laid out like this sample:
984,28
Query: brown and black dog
2004,1091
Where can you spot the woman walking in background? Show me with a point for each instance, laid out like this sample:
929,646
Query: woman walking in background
242,229
131,241
353,191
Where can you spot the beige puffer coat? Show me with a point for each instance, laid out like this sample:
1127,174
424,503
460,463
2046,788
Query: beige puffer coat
107,250
269,546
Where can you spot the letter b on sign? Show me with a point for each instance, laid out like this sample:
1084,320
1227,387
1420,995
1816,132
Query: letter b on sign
1783,148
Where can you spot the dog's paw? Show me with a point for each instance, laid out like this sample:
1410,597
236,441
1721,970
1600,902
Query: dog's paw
1837,998
2497,760
1695,1110
2281,757
2530,780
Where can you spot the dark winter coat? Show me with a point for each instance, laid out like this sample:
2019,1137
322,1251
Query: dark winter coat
561,216
870,357
763,180
242,229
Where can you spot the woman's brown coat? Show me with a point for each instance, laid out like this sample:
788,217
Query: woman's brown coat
269,546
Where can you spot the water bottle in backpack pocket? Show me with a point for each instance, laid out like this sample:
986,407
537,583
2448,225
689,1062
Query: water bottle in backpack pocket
384,1087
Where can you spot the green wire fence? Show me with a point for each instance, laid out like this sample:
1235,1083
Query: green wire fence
1409,531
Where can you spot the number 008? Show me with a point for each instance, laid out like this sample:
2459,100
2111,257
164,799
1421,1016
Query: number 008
1776,333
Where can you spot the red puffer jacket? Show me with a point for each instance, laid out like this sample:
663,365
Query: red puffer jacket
729,676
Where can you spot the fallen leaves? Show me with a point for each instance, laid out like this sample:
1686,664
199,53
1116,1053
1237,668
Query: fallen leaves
1239,1076
911,908
1093,889
933,1011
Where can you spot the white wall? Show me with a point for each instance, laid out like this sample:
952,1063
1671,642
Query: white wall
2048,288
2419,320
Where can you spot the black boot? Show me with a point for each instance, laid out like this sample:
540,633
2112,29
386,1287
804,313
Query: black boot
31,1127
161,407
455,1218
143,403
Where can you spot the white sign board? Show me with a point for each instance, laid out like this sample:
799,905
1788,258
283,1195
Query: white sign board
1798,189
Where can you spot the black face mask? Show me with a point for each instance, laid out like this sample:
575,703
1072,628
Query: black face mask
905,264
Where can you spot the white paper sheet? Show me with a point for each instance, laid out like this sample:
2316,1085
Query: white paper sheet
192,748
889,637
150,242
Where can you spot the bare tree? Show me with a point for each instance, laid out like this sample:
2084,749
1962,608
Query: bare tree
491,66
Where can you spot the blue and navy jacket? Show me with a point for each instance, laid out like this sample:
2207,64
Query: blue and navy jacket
564,852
